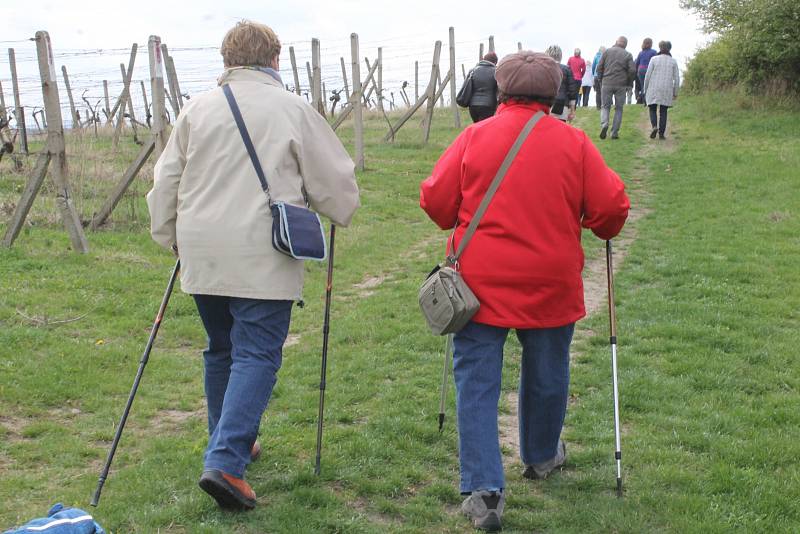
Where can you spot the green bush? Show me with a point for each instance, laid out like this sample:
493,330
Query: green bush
757,45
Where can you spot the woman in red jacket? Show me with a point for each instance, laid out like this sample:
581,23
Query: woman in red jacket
524,264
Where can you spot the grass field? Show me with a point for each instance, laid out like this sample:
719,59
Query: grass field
708,302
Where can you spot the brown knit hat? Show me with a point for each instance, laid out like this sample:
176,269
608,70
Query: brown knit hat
527,73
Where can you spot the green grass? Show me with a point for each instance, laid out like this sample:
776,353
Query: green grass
708,301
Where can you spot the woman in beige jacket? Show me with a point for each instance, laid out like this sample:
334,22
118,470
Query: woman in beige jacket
207,203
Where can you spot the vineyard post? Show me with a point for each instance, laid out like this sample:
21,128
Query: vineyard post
124,98
453,105
296,76
355,72
76,120
3,114
157,93
416,81
316,86
480,52
380,79
491,43
147,114
19,111
54,150
344,77
519,46
107,108
431,94
173,95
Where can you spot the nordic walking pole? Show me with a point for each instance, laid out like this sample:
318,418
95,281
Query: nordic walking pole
612,320
448,347
142,363
325,332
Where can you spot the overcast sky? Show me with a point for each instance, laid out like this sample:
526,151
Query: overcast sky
583,23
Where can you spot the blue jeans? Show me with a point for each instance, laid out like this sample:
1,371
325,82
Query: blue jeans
245,347
543,389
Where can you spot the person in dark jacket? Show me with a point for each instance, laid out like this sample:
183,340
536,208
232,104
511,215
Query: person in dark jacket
615,73
483,102
564,106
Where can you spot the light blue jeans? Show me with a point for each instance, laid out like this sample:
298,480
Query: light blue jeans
244,354
543,390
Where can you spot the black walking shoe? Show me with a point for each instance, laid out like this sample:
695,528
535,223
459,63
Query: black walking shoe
230,492
654,133
614,136
662,136
603,132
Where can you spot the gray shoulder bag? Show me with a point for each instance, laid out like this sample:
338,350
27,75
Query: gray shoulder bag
445,299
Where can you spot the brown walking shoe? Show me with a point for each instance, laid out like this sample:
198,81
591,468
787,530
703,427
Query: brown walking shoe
230,492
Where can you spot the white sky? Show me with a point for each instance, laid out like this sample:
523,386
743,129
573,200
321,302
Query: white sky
583,23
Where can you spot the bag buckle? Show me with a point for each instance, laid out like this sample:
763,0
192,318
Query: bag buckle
452,261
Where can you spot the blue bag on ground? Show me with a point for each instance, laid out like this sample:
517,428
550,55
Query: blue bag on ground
61,520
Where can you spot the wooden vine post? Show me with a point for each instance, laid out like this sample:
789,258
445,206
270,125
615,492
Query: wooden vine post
294,70
124,99
76,120
344,78
431,94
355,72
55,152
428,96
453,105
159,125
19,111
380,80
316,76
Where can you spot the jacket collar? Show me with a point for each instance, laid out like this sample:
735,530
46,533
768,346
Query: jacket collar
247,74
513,106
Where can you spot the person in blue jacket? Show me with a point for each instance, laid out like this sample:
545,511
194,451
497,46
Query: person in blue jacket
642,61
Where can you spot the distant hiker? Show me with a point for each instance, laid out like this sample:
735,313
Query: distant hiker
524,265
482,100
596,84
577,65
564,105
586,86
661,84
208,204
642,61
616,72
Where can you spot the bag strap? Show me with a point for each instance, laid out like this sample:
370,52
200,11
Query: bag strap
248,143
487,198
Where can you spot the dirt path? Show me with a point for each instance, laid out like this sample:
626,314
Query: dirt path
595,285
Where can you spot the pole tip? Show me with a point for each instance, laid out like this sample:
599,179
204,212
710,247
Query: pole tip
441,421
619,487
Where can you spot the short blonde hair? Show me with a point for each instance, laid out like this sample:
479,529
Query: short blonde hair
249,43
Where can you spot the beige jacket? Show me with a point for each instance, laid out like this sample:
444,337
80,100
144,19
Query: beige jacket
207,199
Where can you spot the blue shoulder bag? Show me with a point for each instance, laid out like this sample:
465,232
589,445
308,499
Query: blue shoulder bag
296,231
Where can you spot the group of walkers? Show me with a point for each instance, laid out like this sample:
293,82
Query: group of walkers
523,263
654,77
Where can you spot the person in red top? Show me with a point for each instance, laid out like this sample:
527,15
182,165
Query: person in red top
524,264
577,65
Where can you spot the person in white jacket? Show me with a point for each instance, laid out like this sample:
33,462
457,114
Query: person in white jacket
207,204
661,84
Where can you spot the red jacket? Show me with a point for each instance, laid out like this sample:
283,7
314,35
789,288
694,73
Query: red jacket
578,67
525,260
